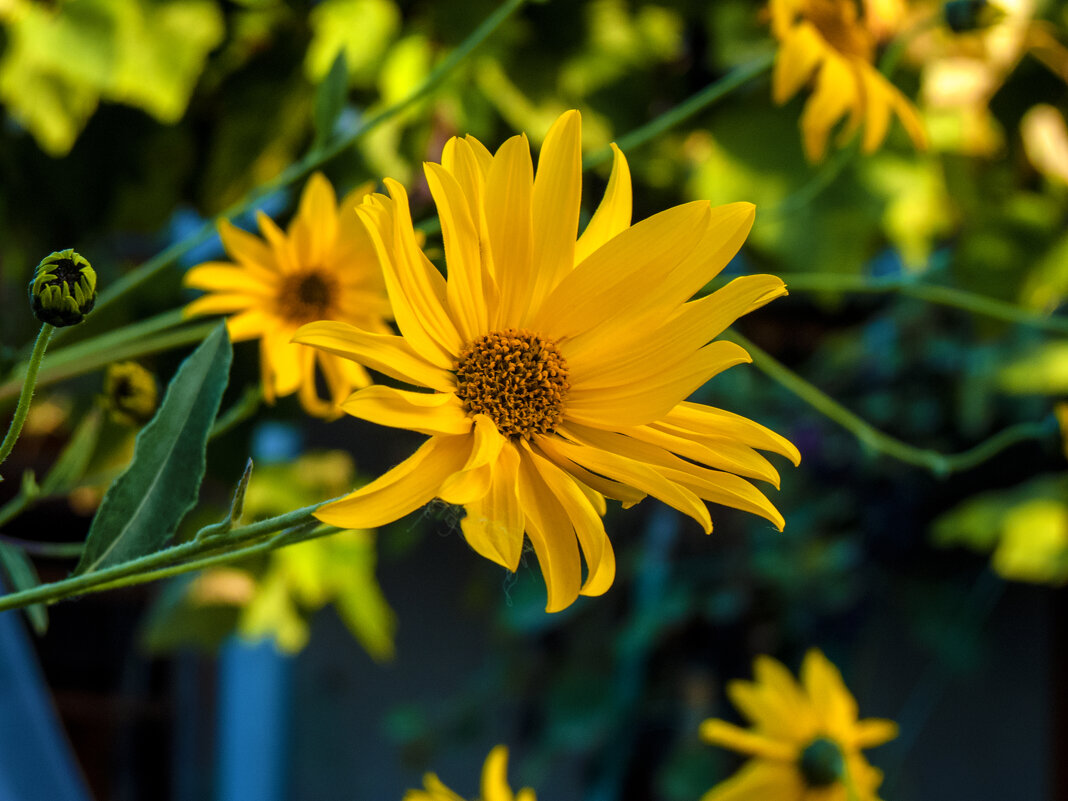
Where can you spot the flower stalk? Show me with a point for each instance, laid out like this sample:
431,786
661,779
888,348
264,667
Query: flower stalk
28,385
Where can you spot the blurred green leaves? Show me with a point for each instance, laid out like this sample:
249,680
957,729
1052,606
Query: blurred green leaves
62,60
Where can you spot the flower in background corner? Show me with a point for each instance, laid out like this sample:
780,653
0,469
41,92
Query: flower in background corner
551,373
322,268
805,741
494,787
828,41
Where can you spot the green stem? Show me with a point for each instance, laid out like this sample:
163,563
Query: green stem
126,343
706,97
939,464
26,395
313,159
941,295
48,550
289,536
149,565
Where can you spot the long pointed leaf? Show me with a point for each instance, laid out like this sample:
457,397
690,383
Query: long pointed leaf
143,507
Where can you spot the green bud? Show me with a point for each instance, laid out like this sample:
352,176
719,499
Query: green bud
130,393
963,16
821,763
63,289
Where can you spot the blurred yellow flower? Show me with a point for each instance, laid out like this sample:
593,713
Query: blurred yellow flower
828,41
130,393
963,71
805,740
551,373
1045,139
1034,543
494,783
323,268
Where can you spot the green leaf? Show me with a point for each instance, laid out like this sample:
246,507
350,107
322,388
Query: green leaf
144,505
330,99
23,576
74,459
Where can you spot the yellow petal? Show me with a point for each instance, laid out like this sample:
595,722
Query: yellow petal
552,535
836,93
710,485
405,488
464,288
596,547
628,471
720,454
472,483
217,276
217,303
694,325
801,52
509,186
876,113
613,214
283,363
247,325
759,780
830,698
651,395
251,252
555,204
281,248
745,741
314,227
871,732
342,376
598,484
494,785
388,354
714,422
426,412
618,274
418,279
494,524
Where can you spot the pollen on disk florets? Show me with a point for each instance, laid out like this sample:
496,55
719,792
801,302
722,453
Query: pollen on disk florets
517,378
306,296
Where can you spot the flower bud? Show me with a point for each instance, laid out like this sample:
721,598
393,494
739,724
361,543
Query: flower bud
63,289
130,393
963,16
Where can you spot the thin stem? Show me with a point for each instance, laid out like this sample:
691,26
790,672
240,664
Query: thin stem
47,550
941,295
98,352
939,464
26,395
686,109
153,562
313,159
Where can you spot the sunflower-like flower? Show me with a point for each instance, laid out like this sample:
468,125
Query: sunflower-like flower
551,373
828,39
322,268
494,787
805,741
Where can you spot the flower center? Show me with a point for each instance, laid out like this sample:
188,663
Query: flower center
837,22
821,763
305,297
516,378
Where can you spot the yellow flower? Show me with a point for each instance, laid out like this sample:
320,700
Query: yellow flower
1034,543
494,783
828,40
805,741
552,373
323,268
